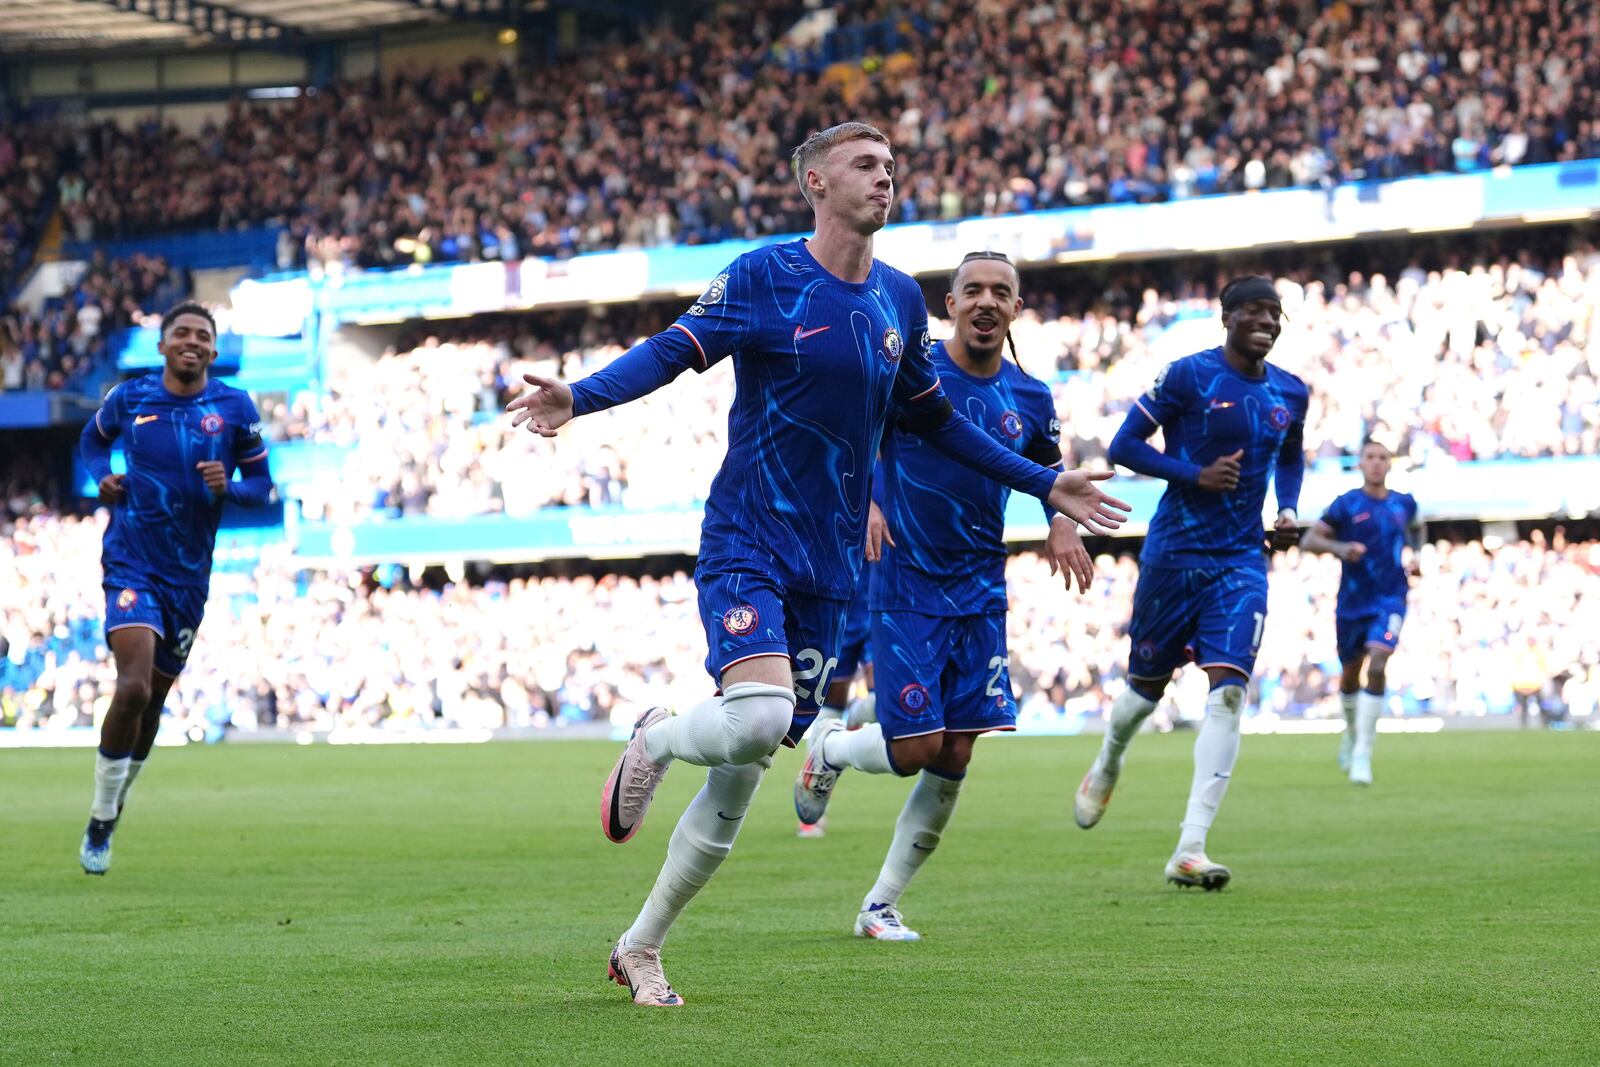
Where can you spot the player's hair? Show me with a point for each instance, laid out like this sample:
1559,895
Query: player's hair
186,307
822,142
1374,439
995,257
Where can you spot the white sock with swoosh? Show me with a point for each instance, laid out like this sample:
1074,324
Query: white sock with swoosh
916,835
700,842
1216,749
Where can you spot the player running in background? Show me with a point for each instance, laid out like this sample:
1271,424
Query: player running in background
939,592
1368,528
825,341
1231,423
855,656
183,436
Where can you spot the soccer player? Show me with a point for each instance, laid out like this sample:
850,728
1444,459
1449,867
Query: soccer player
184,435
939,593
1368,528
825,341
1231,423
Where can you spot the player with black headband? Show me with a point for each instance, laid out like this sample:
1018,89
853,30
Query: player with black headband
1231,423
938,598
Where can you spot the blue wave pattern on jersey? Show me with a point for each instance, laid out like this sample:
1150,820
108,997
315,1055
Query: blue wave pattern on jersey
1206,409
948,522
817,362
1377,583
165,530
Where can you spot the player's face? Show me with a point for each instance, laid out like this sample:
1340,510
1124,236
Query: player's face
189,347
1253,328
983,304
1375,463
858,184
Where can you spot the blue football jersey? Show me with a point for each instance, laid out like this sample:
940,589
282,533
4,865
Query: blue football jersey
1377,583
165,529
1206,409
948,522
818,363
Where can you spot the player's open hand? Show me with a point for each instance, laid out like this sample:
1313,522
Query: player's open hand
545,407
113,488
1076,496
1352,551
1067,555
1221,475
215,475
877,533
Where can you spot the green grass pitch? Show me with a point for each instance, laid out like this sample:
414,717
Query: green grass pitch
435,905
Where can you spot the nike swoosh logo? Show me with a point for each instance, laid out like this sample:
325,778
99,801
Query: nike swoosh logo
618,831
1223,776
1218,405
729,818
920,848
801,333
142,419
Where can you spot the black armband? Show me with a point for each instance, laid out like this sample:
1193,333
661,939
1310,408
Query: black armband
927,415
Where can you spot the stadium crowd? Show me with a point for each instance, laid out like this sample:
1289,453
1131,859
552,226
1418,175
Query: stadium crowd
1499,358
1491,626
996,106
66,341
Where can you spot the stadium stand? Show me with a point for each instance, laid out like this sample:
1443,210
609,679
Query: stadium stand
1012,106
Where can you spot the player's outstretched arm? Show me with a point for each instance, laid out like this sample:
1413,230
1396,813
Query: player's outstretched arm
549,404
1072,493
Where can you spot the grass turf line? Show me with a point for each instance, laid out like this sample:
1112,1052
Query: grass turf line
387,905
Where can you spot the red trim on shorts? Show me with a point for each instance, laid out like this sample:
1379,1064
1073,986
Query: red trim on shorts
147,625
1229,666
754,655
983,730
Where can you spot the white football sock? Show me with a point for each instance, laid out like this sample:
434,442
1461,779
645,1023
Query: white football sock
741,726
827,713
916,835
134,767
1347,704
109,774
1369,708
1128,713
700,842
1215,751
863,749
862,710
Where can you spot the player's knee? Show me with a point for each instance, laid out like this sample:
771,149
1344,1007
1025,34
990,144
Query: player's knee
954,756
1227,698
132,694
912,754
758,717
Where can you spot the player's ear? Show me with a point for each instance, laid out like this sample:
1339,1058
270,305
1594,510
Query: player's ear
950,304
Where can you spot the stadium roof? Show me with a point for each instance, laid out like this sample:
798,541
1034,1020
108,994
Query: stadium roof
76,25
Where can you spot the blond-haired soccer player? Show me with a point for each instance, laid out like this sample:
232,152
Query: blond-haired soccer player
827,343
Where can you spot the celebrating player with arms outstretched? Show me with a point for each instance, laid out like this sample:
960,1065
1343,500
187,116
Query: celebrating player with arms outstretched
939,592
1368,528
1231,422
825,340
183,435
